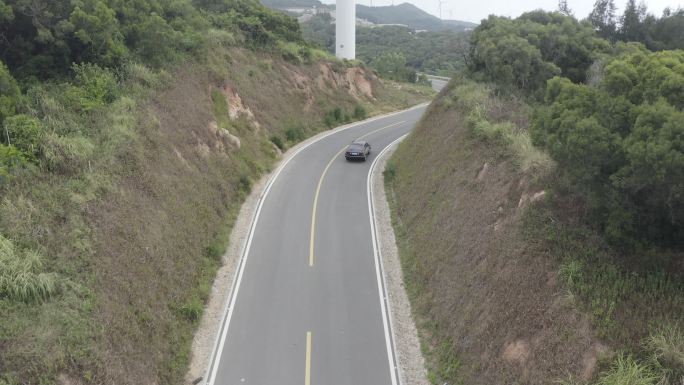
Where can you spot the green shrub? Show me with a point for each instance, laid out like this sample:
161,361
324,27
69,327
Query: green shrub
390,172
10,158
295,134
220,38
66,153
359,112
94,86
305,54
291,52
334,116
138,72
328,120
23,132
192,309
9,93
245,184
337,114
278,141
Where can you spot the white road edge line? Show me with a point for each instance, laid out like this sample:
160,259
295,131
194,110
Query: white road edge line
212,369
380,273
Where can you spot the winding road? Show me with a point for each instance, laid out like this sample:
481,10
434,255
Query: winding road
308,305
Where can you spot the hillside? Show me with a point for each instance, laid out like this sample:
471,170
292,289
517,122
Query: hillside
410,16
120,177
403,14
507,284
440,53
281,4
539,214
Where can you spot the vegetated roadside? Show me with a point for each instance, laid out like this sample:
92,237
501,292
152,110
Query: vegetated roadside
119,187
560,261
396,51
509,285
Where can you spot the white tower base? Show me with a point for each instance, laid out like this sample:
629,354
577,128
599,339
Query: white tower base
345,29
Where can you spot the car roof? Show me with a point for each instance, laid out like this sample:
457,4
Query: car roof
359,142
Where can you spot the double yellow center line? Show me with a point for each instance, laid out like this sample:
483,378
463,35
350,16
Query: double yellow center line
318,190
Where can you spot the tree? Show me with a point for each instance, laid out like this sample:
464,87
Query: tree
95,25
391,65
631,23
621,145
6,12
602,18
564,8
9,93
23,132
527,51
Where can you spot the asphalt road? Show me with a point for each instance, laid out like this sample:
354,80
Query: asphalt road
438,82
308,308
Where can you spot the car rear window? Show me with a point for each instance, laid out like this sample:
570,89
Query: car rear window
356,147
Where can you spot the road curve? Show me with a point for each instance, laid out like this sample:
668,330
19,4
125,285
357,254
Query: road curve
438,82
307,305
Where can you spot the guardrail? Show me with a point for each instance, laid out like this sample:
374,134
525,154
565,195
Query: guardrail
435,77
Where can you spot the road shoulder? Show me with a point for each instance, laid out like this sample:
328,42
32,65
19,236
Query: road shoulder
410,359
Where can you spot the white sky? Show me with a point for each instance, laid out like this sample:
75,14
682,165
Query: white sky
477,10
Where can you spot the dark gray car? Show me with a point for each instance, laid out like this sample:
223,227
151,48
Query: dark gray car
357,150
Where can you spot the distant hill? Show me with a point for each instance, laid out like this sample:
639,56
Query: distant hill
409,15
404,13
281,4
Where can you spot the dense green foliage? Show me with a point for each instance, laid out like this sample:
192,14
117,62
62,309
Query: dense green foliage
43,38
636,24
411,16
525,52
617,137
439,53
621,144
291,3
320,30
401,14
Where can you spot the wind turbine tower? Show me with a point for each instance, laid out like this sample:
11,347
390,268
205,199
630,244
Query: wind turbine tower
345,29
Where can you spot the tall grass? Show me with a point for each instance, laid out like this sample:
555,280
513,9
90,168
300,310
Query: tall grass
627,371
623,303
21,276
666,345
486,116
